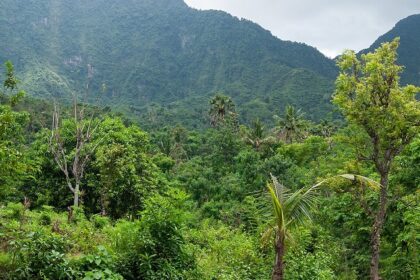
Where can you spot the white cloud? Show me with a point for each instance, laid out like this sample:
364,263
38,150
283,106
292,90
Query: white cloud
329,25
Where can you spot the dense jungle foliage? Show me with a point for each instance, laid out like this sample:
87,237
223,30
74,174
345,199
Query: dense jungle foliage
294,200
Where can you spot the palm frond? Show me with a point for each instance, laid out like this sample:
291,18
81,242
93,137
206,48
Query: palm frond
300,206
372,184
277,206
280,190
291,208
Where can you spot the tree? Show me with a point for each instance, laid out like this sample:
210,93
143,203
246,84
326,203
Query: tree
10,86
256,136
291,209
221,107
124,174
292,125
13,164
369,95
72,160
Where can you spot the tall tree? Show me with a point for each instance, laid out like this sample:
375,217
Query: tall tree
291,209
124,172
257,136
369,95
221,107
13,164
72,160
292,125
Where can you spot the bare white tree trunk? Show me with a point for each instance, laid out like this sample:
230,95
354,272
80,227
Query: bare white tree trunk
73,167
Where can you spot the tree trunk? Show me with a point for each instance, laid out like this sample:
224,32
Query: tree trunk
103,204
70,185
377,228
76,195
278,269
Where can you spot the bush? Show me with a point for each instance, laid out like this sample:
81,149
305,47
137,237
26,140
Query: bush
225,253
98,266
40,255
102,275
45,219
99,222
154,248
6,266
311,256
15,211
78,215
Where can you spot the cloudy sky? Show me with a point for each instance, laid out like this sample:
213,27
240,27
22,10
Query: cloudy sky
329,25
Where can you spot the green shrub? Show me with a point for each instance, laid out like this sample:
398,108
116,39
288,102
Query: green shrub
40,255
45,216
154,248
102,275
101,265
44,219
78,215
6,266
311,256
99,222
15,211
226,253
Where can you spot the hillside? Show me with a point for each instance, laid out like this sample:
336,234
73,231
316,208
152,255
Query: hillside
408,30
153,176
161,60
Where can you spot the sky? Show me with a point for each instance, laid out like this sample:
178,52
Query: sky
329,25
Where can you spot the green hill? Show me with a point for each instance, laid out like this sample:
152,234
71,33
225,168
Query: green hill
161,59
408,30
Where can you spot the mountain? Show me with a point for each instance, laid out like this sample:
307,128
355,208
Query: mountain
160,59
408,30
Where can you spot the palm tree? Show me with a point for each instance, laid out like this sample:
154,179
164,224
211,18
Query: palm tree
257,135
220,107
179,139
291,209
172,142
292,125
325,129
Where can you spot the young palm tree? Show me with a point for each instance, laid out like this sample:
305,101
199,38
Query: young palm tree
291,209
220,107
292,125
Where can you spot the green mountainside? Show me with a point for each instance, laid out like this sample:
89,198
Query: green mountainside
159,178
161,60
408,30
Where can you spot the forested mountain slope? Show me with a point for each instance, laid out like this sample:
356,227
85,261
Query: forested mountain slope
161,59
408,30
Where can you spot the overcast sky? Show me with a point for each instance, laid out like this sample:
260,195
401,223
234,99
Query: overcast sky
329,25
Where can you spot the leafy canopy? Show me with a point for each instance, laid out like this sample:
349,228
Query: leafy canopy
369,95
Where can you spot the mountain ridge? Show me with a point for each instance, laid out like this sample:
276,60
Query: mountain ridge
408,30
161,61
160,53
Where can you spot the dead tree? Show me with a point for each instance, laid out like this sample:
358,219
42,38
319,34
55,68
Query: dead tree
73,162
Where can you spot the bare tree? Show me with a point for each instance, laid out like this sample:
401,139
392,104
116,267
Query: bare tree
73,162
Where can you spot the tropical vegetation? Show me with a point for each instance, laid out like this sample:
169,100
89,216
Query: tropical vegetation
85,193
